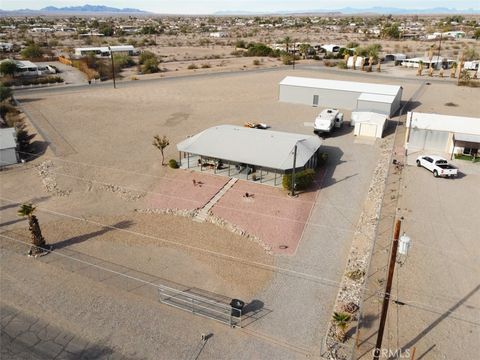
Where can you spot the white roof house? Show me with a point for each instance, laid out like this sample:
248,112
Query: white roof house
262,148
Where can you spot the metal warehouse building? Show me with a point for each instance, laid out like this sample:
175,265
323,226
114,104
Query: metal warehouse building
384,99
442,133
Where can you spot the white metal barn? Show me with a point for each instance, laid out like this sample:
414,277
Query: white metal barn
442,133
348,95
369,124
8,147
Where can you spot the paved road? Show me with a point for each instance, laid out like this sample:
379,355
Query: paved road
26,337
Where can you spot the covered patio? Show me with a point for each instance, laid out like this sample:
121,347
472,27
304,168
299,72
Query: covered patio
263,156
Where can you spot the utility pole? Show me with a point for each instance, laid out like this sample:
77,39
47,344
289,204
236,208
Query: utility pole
386,296
113,67
439,48
293,169
294,64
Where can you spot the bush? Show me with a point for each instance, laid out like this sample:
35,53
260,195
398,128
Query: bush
146,55
150,66
123,61
322,158
287,59
342,64
173,163
303,180
32,51
192,67
256,62
206,66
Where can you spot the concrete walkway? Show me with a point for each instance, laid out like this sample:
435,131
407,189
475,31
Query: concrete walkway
203,212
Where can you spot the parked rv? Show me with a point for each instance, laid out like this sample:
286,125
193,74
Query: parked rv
327,120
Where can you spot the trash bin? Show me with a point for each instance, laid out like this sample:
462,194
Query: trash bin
237,306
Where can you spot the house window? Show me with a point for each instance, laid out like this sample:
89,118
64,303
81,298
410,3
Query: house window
470,151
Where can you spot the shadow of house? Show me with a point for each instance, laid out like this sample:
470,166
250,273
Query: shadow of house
81,238
35,149
324,178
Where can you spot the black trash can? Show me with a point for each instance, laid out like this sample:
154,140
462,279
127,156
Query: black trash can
237,306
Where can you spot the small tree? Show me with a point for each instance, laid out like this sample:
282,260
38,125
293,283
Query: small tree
161,143
39,243
341,320
5,93
8,68
32,51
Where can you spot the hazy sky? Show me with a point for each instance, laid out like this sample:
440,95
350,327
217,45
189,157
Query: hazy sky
206,7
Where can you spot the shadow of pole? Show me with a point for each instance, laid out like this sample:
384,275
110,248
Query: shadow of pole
440,319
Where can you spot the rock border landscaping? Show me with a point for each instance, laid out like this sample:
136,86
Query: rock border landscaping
353,280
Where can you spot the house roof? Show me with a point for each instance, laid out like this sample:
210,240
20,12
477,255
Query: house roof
369,117
342,85
264,148
456,124
8,138
467,137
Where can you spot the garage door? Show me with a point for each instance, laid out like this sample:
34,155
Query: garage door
428,140
367,130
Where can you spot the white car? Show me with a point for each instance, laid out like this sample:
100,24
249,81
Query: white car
437,165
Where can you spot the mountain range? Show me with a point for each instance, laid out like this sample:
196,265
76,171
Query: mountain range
345,11
79,9
351,11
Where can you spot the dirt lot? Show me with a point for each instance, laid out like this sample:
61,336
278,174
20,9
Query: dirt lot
112,168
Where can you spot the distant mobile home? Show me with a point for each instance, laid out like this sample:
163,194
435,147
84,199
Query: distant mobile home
349,95
104,51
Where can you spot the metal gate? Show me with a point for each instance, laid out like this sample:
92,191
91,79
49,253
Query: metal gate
200,305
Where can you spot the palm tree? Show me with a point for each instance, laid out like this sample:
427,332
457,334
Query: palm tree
453,70
420,68
372,57
460,66
287,41
304,48
38,242
161,143
341,320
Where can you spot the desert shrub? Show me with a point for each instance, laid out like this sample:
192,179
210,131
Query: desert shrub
258,49
150,66
173,163
342,64
144,56
287,59
5,92
256,62
32,51
192,67
206,66
123,61
303,180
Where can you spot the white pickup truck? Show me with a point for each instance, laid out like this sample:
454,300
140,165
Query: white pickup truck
327,120
437,165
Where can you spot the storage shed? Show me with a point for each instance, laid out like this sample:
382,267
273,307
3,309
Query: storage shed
8,147
341,94
442,133
369,124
